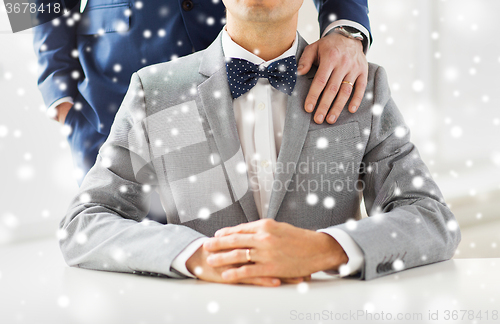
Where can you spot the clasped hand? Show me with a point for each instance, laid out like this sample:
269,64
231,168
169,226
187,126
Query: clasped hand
280,253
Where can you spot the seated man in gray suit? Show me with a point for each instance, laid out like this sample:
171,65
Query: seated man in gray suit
254,191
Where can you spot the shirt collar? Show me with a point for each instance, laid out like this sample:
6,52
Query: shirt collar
231,49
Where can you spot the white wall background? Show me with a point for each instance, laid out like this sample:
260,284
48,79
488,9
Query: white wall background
442,59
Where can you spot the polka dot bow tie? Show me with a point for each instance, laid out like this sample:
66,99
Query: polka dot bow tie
243,75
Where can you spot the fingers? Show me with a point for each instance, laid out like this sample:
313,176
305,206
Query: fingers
233,257
359,92
307,59
331,91
318,84
342,97
262,281
246,271
292,280
229,242
251,227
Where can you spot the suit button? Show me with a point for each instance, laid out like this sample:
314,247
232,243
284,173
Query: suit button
187,5
379,268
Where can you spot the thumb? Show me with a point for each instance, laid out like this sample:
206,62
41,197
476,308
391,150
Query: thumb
307,59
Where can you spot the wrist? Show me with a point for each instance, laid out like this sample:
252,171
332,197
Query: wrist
351,33
195,261
333,255
62,111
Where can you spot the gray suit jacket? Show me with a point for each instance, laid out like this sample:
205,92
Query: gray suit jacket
175,132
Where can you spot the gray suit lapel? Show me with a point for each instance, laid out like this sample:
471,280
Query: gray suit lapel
295,130
218,104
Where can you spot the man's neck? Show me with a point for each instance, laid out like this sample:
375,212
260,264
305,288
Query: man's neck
266,40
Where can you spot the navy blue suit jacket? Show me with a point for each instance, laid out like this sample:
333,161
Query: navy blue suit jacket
92,57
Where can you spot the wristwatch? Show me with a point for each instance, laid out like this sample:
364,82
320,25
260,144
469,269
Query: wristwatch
353,33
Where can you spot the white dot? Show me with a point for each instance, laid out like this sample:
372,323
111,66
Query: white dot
146,188
418,182
452,225
214,158
217,94
418,86
147,33
377,109
106,162
435,35
213,307
61,234
162,33
174,132
3,131
398,265
123,189
192,179
312,199
241,167
210,21
322,143
344,270
303,287
25,172
219,200
117,68
369,307
204,213
139,4
85,197
351,224
81,238
63,301
329,202
10,220
400,131
456,131
332,17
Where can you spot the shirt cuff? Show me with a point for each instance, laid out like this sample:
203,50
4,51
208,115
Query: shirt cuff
350,23
179,262
52,111
351,248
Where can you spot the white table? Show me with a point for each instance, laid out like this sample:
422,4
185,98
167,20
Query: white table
36,286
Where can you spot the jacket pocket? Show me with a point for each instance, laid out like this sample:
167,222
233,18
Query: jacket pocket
105,19
322,137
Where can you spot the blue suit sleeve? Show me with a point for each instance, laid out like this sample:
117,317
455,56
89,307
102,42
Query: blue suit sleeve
54,44
354,10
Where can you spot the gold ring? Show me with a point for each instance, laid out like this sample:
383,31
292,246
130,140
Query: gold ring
249,259
350,83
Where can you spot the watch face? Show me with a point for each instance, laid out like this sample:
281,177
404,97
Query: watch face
351,30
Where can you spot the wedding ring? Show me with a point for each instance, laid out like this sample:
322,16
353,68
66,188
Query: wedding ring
249,259
350,83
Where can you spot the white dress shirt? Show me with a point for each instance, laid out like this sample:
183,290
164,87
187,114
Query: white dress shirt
260,119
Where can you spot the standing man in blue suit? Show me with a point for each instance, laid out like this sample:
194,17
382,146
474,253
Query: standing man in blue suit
87,57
